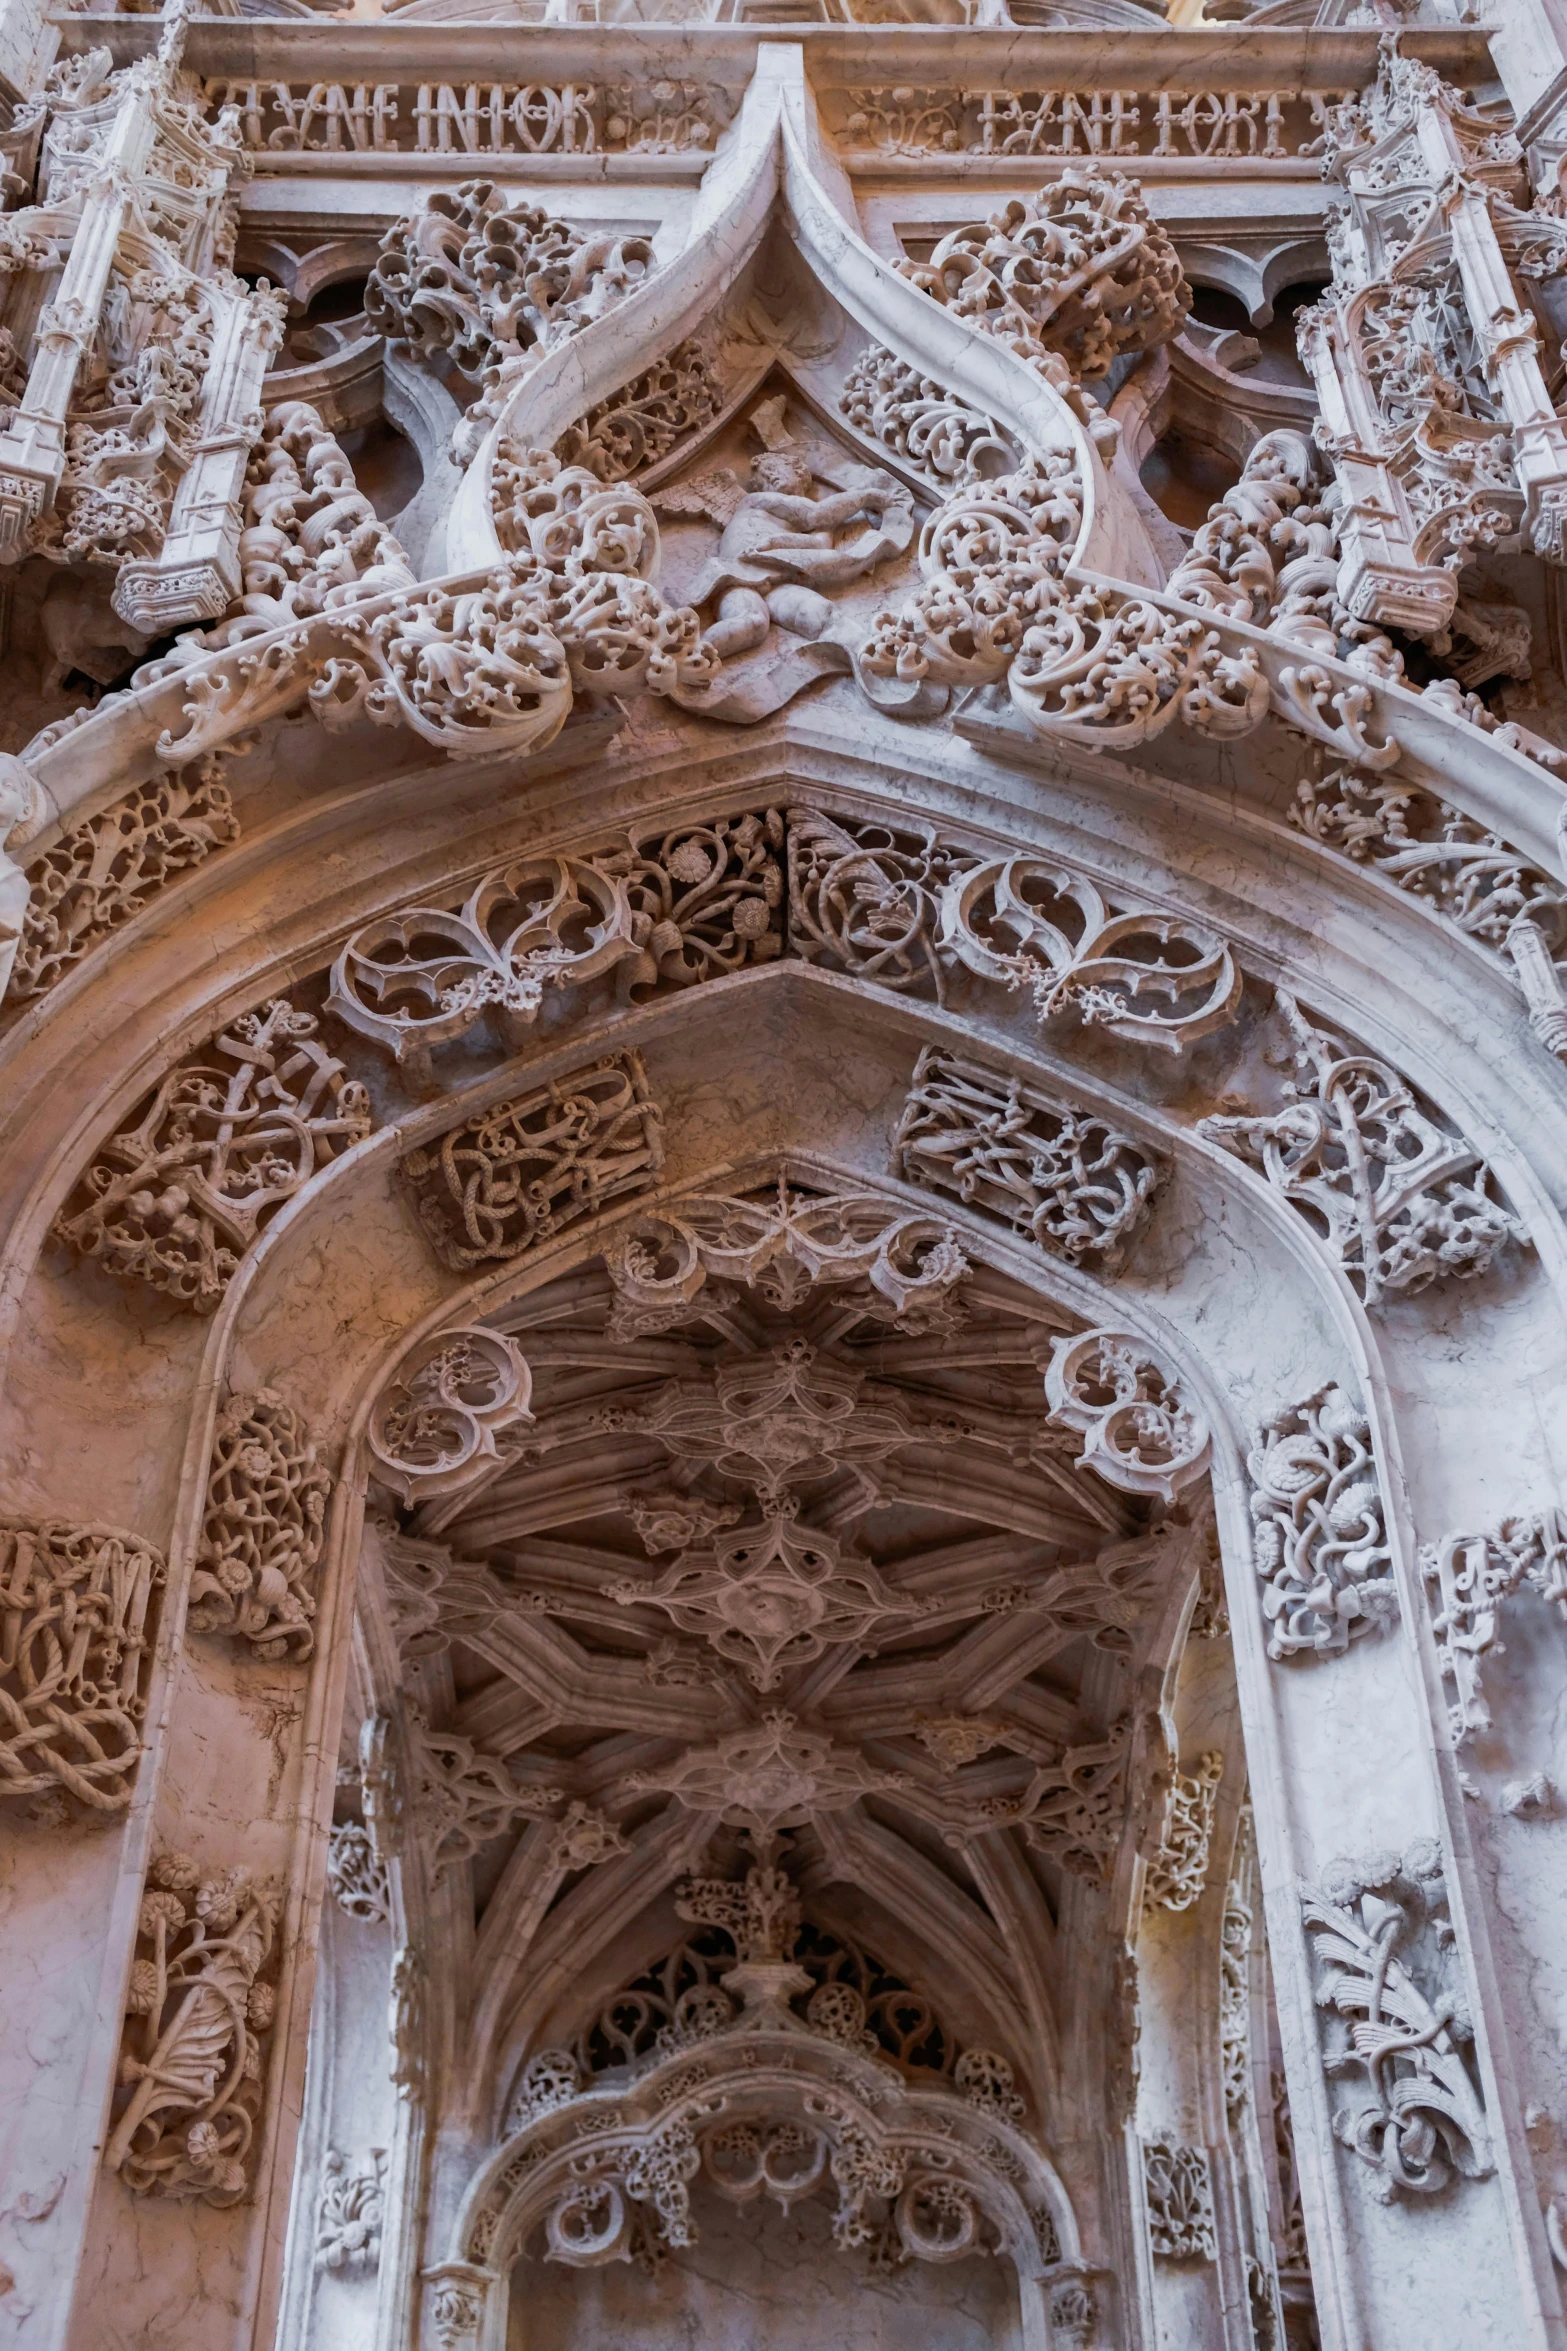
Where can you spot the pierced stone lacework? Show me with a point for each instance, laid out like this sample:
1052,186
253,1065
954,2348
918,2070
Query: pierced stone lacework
177,1199
262,1533
95,878
75,1604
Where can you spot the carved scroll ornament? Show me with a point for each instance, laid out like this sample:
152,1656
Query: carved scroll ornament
1470,1576
1139,1430
1179,2194
75,1604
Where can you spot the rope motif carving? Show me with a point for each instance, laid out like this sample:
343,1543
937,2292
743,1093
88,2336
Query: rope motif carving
74,1608
511,1178
262,1533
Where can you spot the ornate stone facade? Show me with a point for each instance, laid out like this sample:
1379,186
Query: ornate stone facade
783,1013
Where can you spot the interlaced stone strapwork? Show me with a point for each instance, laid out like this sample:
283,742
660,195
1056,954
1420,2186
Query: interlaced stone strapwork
511,1178
263,1529
75,1624
1319,1540
1068,1181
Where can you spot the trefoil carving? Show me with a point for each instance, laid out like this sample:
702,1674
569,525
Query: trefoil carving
433,1427
1140,1430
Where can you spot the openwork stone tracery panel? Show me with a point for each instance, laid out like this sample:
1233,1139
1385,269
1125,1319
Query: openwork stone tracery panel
76,1608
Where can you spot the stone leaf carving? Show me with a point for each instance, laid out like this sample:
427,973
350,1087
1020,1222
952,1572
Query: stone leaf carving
1469,1576
177,1199
511,1178
673,909
1072,2319
75,1604
936,435
772,1777
640,424
1139,1430
459,1797
1066,1180
772,1594
584,1837
98,876
1069,279
356,1874
192,2057
1395,1199
909,908
1385,1954
1235,1940
482,281
433,1426
262,1530
1180,2202
1178,1872
783,1243
1318,1536
1072,1809
352,2208
405,2025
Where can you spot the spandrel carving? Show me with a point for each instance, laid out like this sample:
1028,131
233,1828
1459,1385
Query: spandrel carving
262,1531
76,1606
103,872
1064,1179
1394,1197
177,1199
510,1178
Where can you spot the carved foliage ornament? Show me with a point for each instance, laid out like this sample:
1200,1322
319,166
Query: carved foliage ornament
1319,1543
1072,1809
1387,1966
1068,1181
1395,1199
178,1198
509,1179
97,877
356,1874
1179,2194
192,2059
1178,1872
75,1601
1469,1576
348,2224
262,1531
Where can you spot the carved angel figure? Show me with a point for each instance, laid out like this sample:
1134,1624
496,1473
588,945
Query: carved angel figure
787,547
